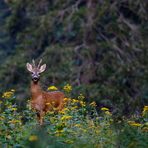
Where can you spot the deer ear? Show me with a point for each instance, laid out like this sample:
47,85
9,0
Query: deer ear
42,68
29,67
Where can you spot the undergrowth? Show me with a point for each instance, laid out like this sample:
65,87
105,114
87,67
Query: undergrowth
79,124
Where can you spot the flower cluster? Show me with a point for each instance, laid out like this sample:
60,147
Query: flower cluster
67,88
8,94
106,111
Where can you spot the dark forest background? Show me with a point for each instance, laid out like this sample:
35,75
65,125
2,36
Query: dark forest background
100,47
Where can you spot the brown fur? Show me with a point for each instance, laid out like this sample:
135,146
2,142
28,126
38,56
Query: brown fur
45,101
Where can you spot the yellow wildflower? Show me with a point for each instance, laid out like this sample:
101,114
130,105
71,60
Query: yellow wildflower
104,109
75,101
108,113
52,88
82,103
66,99
2,117
145,129
77,125
33,138
63,111
81,97
9,106
59,133
7,95
133,123
66,117
1,102
93,104
13,109
130,122
68,88
73,108
145,110
136,124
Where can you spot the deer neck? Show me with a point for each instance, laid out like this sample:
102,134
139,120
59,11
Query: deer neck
35,90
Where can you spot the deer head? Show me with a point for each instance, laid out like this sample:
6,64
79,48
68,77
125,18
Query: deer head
35,70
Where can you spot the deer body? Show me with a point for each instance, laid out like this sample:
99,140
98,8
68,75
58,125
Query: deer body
43,101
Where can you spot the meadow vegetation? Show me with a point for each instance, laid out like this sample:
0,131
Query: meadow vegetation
80,124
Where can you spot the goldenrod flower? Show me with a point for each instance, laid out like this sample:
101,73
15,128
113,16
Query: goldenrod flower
68,88
33,138
52,88
104,109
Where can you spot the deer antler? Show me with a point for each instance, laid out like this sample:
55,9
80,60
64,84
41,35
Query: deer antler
39,63
33,62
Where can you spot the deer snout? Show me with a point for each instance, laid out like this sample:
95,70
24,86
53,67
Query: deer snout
35,77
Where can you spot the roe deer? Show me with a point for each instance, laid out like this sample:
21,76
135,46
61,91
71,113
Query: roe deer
42,101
